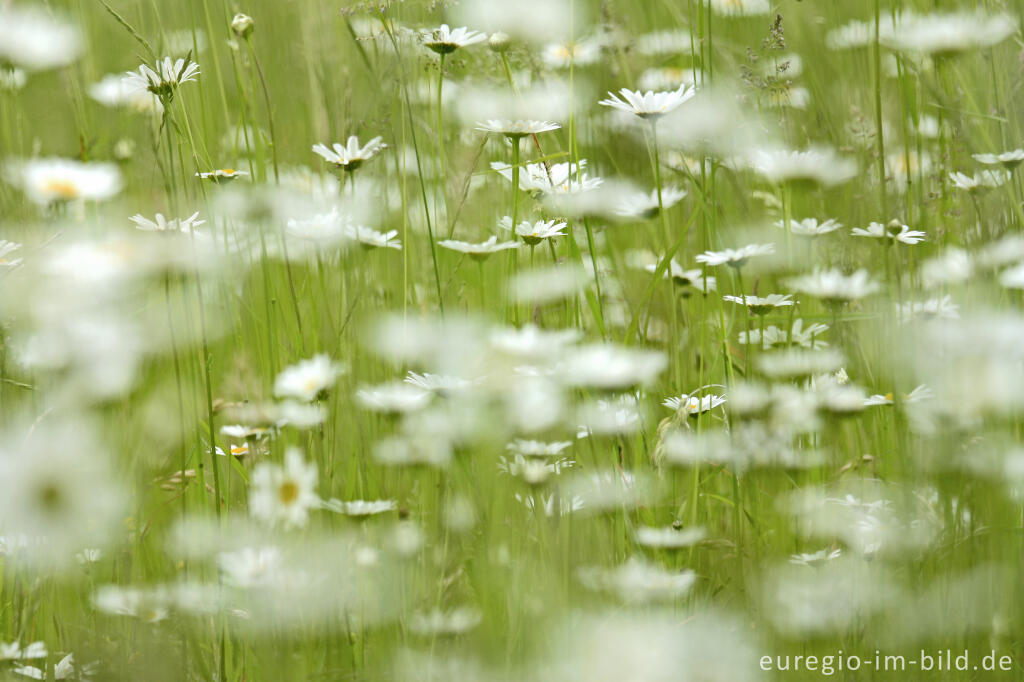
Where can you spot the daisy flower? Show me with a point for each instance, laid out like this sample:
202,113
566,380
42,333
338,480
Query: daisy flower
894,231
6,259
480,251
32,38
985,179
307,380
740,8
1008,160
670,537
762,305
516,129
164,79
646,206
685,278
444,40
221,175
735,258
832,286
116,90
946,34
796,336
819,165
15,652
393,398
350,155
534,233
810,227
692,405
536,448
580,53
934,308
284,494
52,180
360,508
161,224
558,178
649,105
370,238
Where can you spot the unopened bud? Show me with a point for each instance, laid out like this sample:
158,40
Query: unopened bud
499,42
242,25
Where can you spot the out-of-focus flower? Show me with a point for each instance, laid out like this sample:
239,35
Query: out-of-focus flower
762,305
116,90
52,180
308,379
735,258
478,251
820,165
221,175
534,233
642,205
946,34
518,128
284,494
34,39
740,8
832,286
162,224
986,179
1008,160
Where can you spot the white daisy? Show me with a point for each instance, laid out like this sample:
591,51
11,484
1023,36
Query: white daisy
35,39
735,258
6,259
762,305
284,494
307,380
740,8
117,90
558,178
371,238
985,179
810,227
350,155
832,286
444,40
641,205
534,233
819,165
894,231
811,337
649,105
516,129
393,398
692,405
15,652
221,175
360,508
161,224
164,79
582,52
949,33
52,180
535,448
1008,160
685,278
479,251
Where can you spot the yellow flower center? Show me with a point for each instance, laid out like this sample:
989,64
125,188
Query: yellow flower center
62,189
288,493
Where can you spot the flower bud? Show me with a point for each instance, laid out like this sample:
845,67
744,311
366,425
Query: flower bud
242,25
499,42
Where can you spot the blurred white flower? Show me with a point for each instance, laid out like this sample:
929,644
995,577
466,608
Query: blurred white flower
117,90
478,251
894,231
52,180
943,34
284,494
735,258
351,155
832,286
35,39
308,379
444,40
516,129
1008,160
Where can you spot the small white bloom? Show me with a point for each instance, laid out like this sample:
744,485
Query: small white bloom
1008,160
350,155
164,79
641,205
52,180
692,405
284,494
534,233
221,175
894,231
444,40
161,224
835,287
735,258
810,227
518,128
762,305
650,105
479,251
308,379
